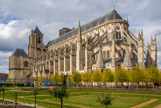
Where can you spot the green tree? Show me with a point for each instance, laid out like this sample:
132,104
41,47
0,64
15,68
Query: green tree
121,75
105,99
76,76
107,76
64,83
136,75
152,75
86,77
60,92
96,76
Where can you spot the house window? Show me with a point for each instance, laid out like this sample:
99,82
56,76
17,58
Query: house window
25,64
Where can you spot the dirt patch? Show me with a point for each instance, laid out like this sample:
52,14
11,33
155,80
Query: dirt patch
144,103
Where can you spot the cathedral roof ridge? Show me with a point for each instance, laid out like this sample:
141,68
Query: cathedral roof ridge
106,17
19,52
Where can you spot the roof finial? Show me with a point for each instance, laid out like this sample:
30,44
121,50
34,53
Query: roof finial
114,7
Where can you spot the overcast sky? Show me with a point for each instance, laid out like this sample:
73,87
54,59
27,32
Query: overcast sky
19,17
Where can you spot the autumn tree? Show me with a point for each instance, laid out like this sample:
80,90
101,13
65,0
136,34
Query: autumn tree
86,77
70,79
61,77
96,76
76,77
40,80
55,78
107,76
121,75
152,75
136,75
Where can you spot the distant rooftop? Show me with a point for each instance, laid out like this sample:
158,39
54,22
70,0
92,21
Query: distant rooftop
108,16
3,75
19,52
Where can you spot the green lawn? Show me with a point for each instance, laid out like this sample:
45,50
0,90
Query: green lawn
80,98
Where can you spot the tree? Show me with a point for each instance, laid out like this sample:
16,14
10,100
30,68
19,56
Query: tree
107,76
64,83
76,76
152,75
69,79
40,80
55,78
105,99
60,93
121,75
86,77
61,77
136,75
96,76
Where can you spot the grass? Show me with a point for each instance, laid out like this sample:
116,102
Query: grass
79,98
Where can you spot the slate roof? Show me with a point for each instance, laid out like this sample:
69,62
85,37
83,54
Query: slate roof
109,16
19,52
37,31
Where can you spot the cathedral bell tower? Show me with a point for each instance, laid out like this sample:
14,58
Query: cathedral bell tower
153,50
35,43
141,49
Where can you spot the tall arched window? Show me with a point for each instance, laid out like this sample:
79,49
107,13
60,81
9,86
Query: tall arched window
108,54
38,40
118,33
104,54
38,52
110,34
25,64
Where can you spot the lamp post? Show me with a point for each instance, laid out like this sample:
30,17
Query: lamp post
3,95
15,98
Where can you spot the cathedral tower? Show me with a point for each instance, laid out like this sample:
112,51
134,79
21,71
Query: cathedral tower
36,46
153,51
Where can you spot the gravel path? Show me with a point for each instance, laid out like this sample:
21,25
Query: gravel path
144,103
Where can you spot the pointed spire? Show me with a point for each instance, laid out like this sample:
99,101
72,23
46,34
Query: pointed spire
79,32
37,31
155,38
141,34
127,18
100,63
151,38
127,59
141,31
